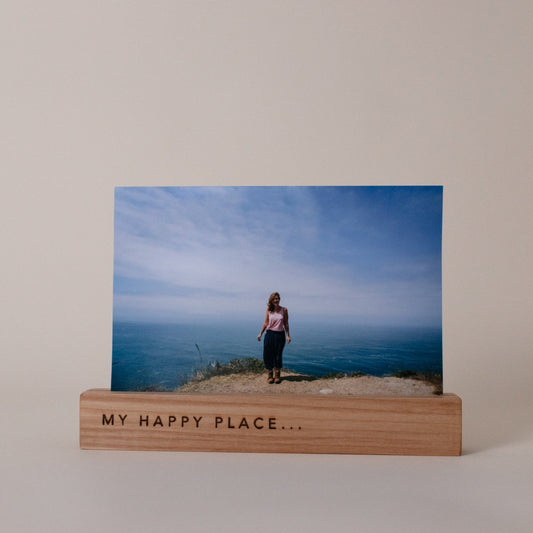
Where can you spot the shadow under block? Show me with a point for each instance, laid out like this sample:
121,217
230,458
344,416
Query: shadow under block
399,425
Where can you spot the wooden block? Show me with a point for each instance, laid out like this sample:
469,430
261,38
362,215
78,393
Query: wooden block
423,425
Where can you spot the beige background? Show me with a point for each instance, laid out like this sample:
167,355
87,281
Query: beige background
100,94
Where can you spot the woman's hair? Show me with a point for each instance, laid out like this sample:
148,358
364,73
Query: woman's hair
271,297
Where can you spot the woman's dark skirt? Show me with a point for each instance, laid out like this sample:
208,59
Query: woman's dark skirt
273,349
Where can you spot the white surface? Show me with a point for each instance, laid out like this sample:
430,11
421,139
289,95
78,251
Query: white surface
96,95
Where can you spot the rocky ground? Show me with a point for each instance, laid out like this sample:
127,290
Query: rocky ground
293,383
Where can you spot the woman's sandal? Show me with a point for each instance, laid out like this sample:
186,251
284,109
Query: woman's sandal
270,378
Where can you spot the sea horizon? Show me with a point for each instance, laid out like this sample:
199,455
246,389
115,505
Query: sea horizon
165,355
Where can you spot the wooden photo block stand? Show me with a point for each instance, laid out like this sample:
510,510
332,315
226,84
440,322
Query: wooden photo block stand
423,425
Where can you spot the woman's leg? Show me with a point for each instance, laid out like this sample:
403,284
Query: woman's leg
278,358
268,356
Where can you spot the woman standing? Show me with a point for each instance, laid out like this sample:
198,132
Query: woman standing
277,330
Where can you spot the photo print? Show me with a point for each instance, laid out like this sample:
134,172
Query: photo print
278,290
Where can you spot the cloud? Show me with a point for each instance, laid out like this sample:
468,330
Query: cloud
202,251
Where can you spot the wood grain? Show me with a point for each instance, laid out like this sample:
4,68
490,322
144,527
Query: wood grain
271,423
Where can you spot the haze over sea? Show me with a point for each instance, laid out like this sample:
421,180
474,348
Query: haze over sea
164,356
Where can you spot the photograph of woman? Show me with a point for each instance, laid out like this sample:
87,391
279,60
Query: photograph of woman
277,332
190,276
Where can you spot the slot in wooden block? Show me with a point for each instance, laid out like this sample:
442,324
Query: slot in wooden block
424,425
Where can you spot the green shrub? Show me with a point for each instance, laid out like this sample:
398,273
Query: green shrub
404,374
246,365
152,388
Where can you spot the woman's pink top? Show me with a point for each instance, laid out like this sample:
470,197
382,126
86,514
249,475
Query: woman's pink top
275,320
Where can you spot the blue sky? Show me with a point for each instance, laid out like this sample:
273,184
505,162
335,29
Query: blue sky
336,254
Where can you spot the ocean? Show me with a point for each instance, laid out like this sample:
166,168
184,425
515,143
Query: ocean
164,356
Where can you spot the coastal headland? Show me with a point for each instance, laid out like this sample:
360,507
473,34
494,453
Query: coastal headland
294,383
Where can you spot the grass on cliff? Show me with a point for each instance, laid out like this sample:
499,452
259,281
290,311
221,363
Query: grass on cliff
246,365
252,365
339,375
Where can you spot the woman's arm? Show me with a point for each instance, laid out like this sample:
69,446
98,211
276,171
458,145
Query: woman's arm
286,324
265,324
